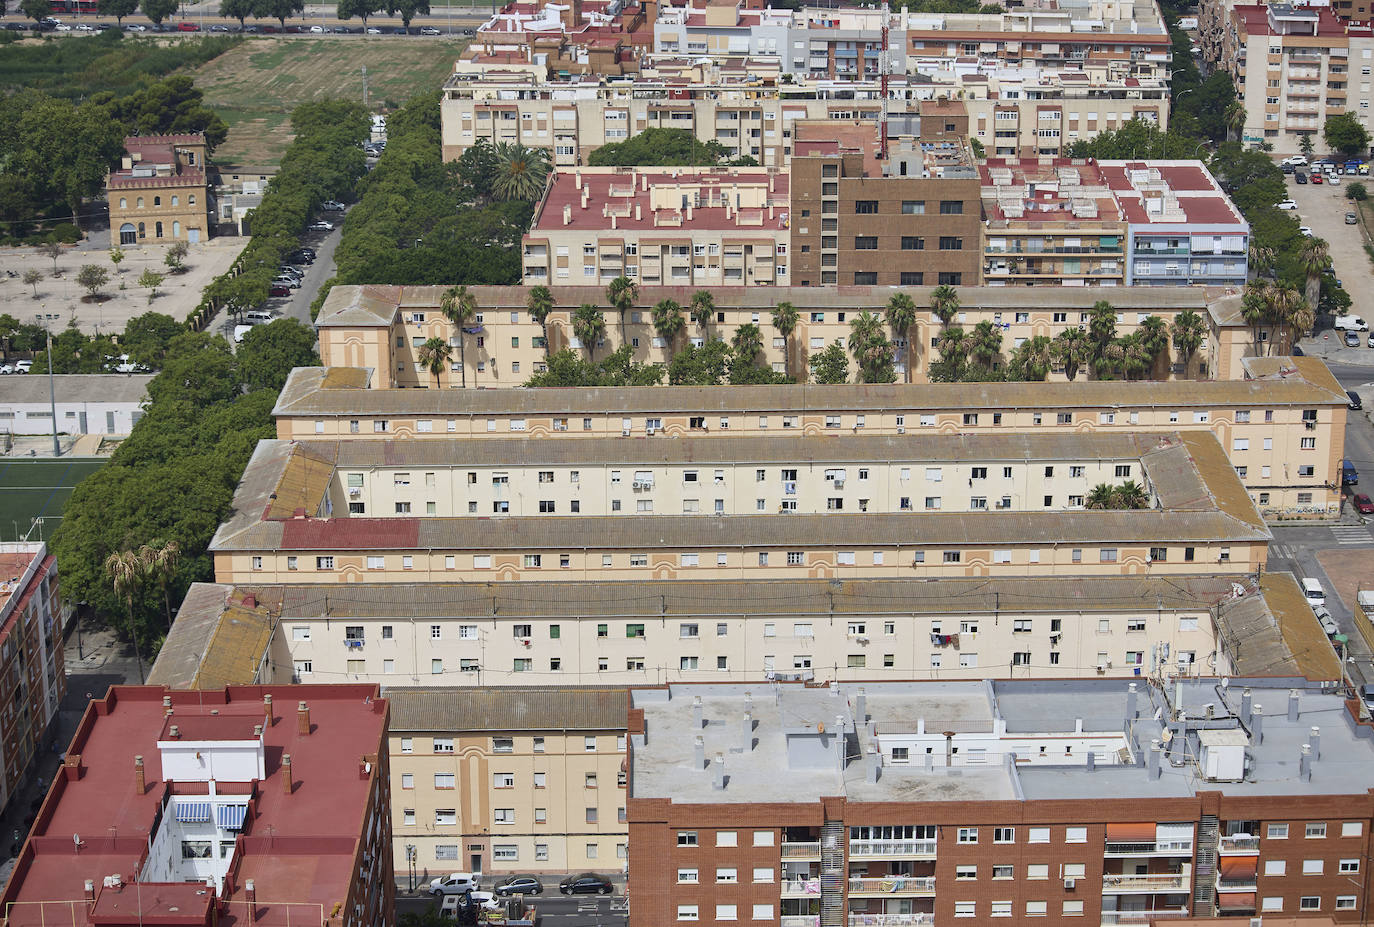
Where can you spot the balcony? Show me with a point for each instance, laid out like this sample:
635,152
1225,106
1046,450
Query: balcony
893,885
811,850
1158,848
1236,883
1239,845
890,920
800,920
1112,918
800,888
890,849
1113,884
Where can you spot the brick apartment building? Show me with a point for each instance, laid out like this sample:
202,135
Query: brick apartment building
922,803
32,671
247,805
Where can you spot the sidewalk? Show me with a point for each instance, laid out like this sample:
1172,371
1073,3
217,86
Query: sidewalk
1329,347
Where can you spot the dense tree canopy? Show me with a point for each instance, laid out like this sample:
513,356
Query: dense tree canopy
268,353
1345,133
663,148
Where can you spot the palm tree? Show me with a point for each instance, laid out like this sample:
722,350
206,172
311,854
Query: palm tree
1254,306
621,293
901,315
435,354
1135,354
1234,114
1153,335
1129,495
870,347
589,325
944,302
1284,301
160,562
954,345
1313,260
1100,497
1300,321
703,308
1070,350
1032,360
459,307
985,343
785,319
520,172
668,322
1261,259
126,572
540,305
748,343
1188,331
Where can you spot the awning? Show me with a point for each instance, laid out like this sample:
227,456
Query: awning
1131,833
230,817
1234,900
193,812
1238,867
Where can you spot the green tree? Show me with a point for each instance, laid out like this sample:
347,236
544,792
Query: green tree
871,349
1357,192
944,302
270,352
621,293
708,365
434,355
520,171
31,277
830,365
347,9
1305,144
703,309
1100,496
237,9
65,171
199,368
901,315
147,336
35,9
953,345
1346,134
158,10
152,280
1032,359
1153,334
126,572
117,257
459,307
539,302
407,10
1314,259
785,320
668,323
1188,332
269,9
748,344
660,148
1071,350
54,250
589,325
985,344
92,277
117,8
175,259
159,561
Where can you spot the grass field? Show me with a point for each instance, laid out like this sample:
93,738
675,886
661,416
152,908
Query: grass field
255,86
32,488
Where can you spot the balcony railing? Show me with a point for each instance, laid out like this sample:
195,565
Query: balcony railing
1111,918
890,848
1239,844
800,920
801,850
1168,847
1158,882
892,885
810,886
1244,883
890,920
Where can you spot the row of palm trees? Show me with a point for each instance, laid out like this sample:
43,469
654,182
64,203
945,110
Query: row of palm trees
131,571
974,353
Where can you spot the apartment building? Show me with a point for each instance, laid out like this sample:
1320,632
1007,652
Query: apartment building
661,226
383,327
1293,66
289,521
536,633
1108,223
915,803
161,191
909,219
518,779
31,662
254,804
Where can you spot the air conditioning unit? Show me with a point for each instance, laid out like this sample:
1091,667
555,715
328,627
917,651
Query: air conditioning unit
354,492
839,484
1070,884
901,429
1101,669
525,641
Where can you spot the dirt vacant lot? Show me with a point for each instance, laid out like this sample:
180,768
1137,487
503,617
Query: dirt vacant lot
256,85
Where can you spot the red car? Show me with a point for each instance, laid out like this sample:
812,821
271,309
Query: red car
1362,504
278,289
1317,177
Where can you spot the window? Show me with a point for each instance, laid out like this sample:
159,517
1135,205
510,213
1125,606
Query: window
1036,908
727,838
1352,828
324,563
1075,835
1276,832
498,745
686,838
1310,903
1275,867
764,912
1073,909
1345,902
1315,830
445,816
1036,872
951,243
865,242
913,207
1001,909
965,909
687,876
965,873
865,206
727,875
686,912
1313,866
1004,835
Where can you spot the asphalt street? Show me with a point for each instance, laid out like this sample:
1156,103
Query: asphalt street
555,909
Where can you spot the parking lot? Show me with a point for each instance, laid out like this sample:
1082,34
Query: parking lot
1322,207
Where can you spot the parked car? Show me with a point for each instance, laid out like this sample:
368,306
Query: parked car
240,331
278,289
455,883
188,27
1351,323
6,369
430,30
1296,161
218,27
1362,504
63,27
333,206
373,30
23,366
301,257
1288,204
317,30
1300,177
1350,218
295,284
1305,230
320,225
588,883
519,885
1352,339
1367,696
1355,403
1334,180
1316,177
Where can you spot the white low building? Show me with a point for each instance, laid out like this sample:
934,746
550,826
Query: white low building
87,403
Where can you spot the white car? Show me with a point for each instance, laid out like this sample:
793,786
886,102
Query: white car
455,883
317,30
1333,180
136,27
240,331
1296,161
1288,204
6,368
63,27
332,206
23,366
373,30
1306,230
430,30
320,225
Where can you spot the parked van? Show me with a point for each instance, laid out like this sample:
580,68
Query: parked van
258,316
1351,323
1349,475
1313,592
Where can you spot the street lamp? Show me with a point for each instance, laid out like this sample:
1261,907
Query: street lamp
52,391
410,861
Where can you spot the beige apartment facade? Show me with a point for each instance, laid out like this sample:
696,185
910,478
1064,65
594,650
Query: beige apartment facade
1282,428
383,327
522,779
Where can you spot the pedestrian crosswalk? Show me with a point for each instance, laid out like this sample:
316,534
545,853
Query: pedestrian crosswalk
1351,534
1281,551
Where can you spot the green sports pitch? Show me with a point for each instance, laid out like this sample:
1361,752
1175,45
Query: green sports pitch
38,488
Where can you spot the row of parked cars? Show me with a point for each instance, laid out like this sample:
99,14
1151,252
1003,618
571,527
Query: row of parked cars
19,366
462,883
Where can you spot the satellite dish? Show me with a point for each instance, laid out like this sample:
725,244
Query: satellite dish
76,840
1225,682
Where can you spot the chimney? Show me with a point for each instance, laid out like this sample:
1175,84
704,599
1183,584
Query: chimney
286,782
697,722
747,743
567,213
1292,704
584,198
267,710
174,732
1315,739
1091,763
873,764
638,212
140,785
1257,725
302,718
612,223
644,182
1154,759
718,772
1245,700
577,180
90,891
748,701
257,730
861,706
699,752
1130,704
689,212
167,701
250,893
1305,763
